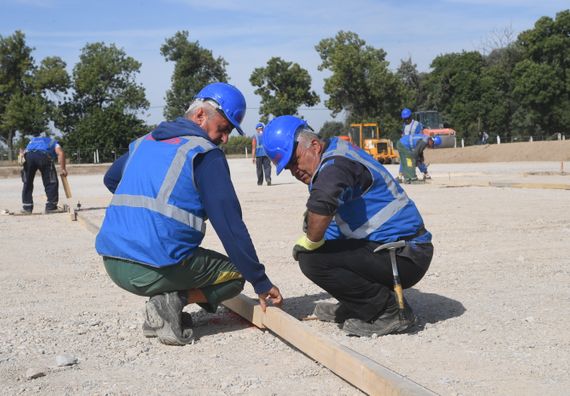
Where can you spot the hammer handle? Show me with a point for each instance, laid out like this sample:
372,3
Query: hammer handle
66,186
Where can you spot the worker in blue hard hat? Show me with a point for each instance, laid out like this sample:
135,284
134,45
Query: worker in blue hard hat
262,163
411,150
410,126
165,188
354,206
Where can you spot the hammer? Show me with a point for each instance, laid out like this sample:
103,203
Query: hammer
392,246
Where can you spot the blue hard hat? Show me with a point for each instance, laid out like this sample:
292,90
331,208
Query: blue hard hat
279,139
406,113
230,100
437,140
260,125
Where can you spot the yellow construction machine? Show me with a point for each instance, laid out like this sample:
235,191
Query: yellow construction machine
367,137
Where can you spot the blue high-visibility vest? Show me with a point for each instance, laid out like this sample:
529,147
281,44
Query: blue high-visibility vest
382,213
156,216
259,149
44,144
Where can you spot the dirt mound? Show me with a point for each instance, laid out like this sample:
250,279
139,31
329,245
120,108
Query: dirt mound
558,150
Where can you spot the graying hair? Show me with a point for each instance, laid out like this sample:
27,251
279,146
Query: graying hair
209,106
305,136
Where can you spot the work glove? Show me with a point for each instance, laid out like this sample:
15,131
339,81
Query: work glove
305,245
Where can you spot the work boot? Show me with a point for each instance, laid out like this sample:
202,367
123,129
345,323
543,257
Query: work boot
268,182
164,315
427,176
389,322
25,212
331,312
187,324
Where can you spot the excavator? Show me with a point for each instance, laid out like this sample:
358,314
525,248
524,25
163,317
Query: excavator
367,137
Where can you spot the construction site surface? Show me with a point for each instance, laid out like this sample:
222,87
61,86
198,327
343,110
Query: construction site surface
493,307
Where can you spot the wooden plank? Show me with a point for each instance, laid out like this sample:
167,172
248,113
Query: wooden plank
359,370
553,186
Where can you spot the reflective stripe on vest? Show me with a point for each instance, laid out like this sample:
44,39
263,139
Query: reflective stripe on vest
160,203
384,214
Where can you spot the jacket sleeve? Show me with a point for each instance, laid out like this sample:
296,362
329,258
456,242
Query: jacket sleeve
115,173
212,176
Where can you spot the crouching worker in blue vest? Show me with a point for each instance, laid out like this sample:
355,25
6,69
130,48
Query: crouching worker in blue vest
165,188
411,149
354,206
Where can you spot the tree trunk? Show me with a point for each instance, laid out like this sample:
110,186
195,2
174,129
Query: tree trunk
10,145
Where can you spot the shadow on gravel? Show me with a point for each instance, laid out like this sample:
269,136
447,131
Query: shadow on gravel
432,308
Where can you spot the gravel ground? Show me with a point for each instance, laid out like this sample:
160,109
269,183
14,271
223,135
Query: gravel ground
493,308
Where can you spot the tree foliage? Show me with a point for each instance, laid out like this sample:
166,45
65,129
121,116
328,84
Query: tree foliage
283,87
195,67
332,128
102,113
361,84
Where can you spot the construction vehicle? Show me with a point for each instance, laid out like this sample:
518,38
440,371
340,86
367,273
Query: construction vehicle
433,126
367,137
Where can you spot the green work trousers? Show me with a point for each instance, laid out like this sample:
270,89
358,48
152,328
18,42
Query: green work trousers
211,272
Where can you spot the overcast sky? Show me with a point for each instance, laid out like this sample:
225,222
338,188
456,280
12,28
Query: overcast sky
246,33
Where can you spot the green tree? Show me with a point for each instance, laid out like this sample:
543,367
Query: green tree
29,95
455,91
332,128
411,80
283,87
360,83
102,114
194,68
542,79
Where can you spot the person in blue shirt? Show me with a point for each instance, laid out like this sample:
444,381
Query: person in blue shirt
354,206
262,163
165,188
410,126
40,153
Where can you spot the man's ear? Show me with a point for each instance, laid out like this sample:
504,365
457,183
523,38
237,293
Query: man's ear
200,116
316,145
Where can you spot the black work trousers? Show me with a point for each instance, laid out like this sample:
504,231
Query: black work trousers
39,160
360,279
263,165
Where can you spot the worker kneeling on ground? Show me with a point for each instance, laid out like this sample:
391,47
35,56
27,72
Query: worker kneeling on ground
411,149
354,206
165,188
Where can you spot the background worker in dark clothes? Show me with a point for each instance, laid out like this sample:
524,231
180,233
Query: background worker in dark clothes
171,181
40,154
262,163
354,206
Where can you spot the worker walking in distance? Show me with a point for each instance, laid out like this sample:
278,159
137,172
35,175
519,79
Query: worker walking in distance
410,126
262,163
354,206
411,149
165,188
40,153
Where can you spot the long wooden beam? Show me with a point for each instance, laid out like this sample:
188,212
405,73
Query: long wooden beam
359,370
553,186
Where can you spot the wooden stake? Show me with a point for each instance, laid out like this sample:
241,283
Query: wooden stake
66,187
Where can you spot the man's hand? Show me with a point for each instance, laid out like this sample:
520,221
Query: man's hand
273,296
63,172
304,245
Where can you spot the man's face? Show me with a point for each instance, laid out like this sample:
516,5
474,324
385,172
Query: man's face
408,120
217,127
259,130
304,161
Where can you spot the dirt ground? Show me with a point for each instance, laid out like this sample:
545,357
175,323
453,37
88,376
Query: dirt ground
493,308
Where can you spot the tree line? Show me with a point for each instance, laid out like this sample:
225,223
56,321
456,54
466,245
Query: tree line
519,88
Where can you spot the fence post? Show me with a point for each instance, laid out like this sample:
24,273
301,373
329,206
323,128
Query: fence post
462,143
530,139
245,148
498,139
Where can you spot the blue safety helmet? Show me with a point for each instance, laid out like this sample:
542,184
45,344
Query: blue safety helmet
230,100
406,113
279,139
437,140
260,125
